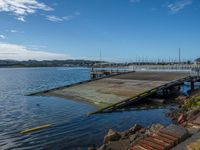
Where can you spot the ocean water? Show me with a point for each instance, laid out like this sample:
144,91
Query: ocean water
71,128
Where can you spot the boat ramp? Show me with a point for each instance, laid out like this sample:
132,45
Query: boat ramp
116,91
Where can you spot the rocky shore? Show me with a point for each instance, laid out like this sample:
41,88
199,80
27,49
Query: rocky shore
125,140
187,115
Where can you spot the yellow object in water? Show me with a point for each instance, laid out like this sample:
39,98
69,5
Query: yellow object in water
35,129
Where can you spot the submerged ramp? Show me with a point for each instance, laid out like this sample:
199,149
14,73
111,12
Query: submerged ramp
105,92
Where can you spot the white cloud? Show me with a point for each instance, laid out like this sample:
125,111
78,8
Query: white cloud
21,18
54,18
13,31
59,19
19,52
2,36
68,18
22,8
64,18
135,1
178,5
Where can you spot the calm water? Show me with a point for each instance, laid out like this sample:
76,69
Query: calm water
71,128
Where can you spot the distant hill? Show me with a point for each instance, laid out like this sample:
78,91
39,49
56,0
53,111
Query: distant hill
198,59
49,63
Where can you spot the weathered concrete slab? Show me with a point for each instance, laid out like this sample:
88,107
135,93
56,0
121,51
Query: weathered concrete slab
107,91
192,143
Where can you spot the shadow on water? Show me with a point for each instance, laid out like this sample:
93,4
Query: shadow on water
71,128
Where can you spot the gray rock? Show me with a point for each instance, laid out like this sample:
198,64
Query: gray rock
103,147
156,127
133,137
124,135
184,144
117,145
193,112
111,136
192,131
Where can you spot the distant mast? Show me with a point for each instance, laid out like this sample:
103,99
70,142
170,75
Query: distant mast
100,56
179,55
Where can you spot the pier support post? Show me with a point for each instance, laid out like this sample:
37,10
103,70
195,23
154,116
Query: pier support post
192,85
165,92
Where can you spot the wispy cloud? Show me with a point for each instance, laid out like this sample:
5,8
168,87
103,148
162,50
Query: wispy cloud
2,36
22,8
54,18
13,31
60,19
178,5
20,52
134,1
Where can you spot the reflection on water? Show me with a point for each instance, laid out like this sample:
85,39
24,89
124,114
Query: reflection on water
71,128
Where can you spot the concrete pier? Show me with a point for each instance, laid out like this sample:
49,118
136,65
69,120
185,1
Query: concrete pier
115,91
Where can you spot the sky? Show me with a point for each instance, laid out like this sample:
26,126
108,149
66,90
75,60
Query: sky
121,30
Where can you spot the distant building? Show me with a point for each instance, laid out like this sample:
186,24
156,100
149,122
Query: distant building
197,61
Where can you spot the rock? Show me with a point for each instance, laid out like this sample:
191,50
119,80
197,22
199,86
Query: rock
111,136
118,145
155,128
137,137
181,99
103,147
142,130
133,137
181,119
192,130
92,148
194,145
174,114
124,135
193,112
196,121
134,129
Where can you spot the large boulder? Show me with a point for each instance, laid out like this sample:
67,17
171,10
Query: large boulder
111,136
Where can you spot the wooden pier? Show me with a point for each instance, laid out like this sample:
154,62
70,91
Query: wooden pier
116,91
94,74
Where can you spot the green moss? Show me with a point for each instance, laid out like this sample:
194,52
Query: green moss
192,102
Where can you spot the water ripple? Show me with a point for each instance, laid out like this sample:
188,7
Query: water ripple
71,128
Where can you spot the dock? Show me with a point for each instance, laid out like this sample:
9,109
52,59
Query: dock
116,91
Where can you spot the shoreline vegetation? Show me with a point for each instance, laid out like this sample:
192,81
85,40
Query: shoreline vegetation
47,63
185,117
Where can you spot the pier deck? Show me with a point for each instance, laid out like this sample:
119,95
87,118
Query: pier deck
113,90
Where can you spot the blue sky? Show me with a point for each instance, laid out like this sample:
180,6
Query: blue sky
123,30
